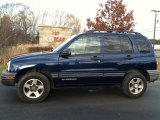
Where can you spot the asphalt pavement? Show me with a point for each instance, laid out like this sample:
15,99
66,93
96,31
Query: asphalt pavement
82,104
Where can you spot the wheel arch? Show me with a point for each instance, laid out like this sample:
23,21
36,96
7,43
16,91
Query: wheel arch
143,72
24,71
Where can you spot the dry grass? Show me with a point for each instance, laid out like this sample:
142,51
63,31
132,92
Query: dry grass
7,52
2,67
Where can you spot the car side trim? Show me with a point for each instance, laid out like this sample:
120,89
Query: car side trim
82,74
114,74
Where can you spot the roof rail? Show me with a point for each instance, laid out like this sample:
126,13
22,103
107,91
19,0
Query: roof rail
113,31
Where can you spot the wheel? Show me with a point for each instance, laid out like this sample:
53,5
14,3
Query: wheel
33,87
134,85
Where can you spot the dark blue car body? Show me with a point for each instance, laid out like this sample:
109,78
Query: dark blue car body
92,58
85,69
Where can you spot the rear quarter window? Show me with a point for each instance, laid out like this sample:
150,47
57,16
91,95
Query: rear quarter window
142,45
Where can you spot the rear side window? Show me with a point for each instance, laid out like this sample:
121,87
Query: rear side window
126,45
142,45
117,44
112,44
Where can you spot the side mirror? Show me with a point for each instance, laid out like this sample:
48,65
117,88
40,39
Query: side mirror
65,53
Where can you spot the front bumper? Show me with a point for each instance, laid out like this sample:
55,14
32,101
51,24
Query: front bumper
8,78
154,75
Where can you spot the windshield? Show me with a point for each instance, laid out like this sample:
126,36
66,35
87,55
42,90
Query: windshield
62,44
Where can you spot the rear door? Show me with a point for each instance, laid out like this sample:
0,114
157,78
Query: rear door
119,57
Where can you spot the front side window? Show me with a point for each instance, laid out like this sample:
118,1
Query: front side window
85,45
142,45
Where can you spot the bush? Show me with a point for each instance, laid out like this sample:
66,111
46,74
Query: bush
2,67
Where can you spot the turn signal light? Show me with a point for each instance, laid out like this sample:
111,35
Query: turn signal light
9,78
157,64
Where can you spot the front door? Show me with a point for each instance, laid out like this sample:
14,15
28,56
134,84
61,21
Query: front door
83,66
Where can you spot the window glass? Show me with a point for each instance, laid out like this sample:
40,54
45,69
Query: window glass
112,44
126,45
85,45
142,45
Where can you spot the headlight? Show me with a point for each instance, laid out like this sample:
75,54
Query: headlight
9,64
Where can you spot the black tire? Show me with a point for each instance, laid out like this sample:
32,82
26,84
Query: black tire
33,87
134,85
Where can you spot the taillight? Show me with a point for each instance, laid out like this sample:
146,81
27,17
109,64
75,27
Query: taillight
157,64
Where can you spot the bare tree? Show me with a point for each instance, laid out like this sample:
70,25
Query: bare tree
59,18
74,23
6,30
17,23
27,22
44,17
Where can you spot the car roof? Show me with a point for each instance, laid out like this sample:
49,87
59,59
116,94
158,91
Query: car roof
115,32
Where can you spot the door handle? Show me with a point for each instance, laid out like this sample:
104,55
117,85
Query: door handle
129,57
95,58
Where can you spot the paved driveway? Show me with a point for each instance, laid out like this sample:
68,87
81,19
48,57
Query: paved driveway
82,104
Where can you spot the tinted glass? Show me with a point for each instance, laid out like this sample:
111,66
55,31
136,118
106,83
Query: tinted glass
126,45
85,44
142,45
112,44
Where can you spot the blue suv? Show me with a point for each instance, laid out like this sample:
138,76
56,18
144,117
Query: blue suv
92,58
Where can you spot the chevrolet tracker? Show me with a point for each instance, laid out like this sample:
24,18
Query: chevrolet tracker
92,58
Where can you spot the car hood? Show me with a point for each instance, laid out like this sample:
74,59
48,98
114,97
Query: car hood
33,57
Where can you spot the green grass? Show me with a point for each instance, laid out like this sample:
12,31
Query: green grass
2,67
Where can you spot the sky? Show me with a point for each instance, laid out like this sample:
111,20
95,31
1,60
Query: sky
83,9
